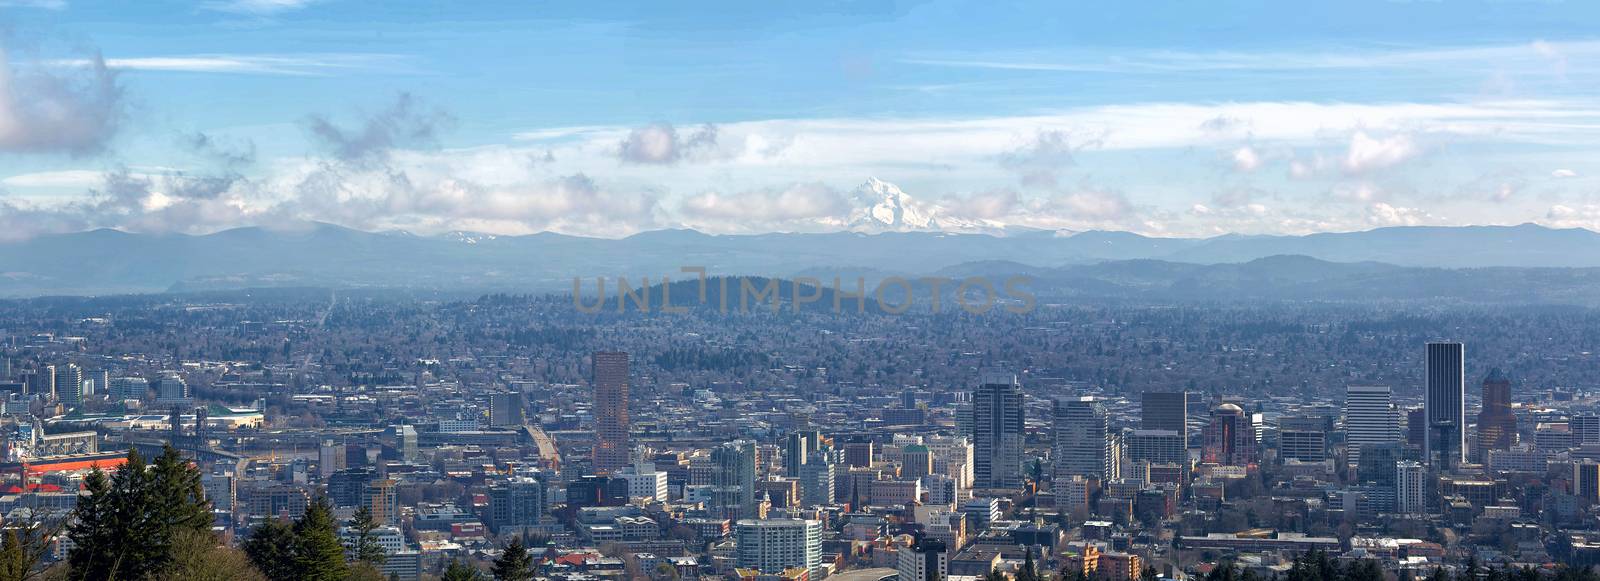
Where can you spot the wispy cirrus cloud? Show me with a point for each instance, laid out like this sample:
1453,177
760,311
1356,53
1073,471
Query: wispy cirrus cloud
322,64
1558,57
258,7
41,4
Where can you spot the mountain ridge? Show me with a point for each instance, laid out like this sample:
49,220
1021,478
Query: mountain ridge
102,261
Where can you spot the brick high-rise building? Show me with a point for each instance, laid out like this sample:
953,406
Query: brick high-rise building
611,449
1497,425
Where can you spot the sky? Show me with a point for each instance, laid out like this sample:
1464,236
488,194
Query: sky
1162,118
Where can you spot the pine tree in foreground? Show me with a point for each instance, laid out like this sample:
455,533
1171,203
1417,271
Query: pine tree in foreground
318,554
515,564
364,547
155,504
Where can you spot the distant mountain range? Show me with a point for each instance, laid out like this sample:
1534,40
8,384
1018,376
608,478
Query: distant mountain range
107,261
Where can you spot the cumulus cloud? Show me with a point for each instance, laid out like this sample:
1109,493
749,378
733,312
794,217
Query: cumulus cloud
1039,161
405,123
799,205
1246,159
993,204
1096,205
76,110
659,143
1367,153
1382,214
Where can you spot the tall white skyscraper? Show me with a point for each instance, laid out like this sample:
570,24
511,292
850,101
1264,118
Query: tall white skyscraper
997,431
1082,442
1409,484
774,545
1445,405
1369,418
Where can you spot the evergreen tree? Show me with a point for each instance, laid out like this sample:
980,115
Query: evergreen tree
515,564
318,554
459,571
153,504
183,505
365,547
92,530
271,548
1028,572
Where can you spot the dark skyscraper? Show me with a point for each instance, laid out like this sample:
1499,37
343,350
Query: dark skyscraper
997,431
1165,410
1497,426
1445,405
611,450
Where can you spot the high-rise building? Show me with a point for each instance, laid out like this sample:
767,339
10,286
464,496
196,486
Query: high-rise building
611,448
817,477
125,388
1497,424
925,560
1586,481
1230,438
1156,446
797,449
1082,443
515,503
733,480
997,422
330,459
916,461
383,500
1409,482
69,384
1369,418
505,409
405,436
1303,445
1416,427
1164,410
96,382
859,453
348,487
1445,405
1585,428
775,545
43,381
172,389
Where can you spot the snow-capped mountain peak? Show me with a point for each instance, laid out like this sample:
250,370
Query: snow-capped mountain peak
881,206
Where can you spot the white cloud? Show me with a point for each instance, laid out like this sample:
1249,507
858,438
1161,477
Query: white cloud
1367,153
258,7
1537,53
42,4
659,143
293,65
1246,159
77,178
1382,214
45,111
800,206
1563,173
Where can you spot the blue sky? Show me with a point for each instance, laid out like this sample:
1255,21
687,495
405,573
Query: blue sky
1165,118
